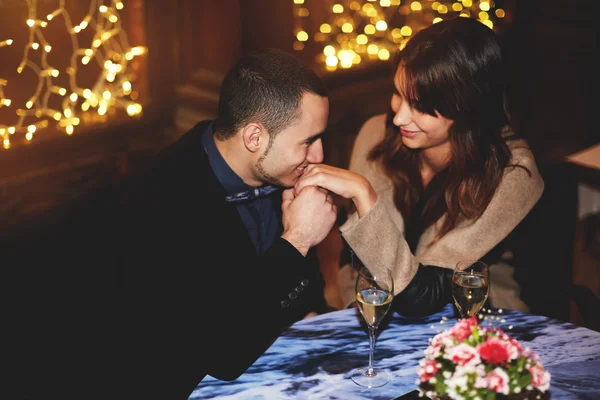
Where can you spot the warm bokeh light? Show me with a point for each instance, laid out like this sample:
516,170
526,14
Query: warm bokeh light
302,36
355,31
112,88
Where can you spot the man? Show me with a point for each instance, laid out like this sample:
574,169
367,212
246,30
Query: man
208,278
210,268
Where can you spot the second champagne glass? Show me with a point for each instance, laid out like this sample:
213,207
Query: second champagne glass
470,286
374,294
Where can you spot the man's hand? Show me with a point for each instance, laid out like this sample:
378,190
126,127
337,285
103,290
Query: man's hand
307,216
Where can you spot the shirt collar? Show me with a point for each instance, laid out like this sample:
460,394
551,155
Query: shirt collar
226,176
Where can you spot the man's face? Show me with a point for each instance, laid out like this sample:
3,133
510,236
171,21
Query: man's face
283,161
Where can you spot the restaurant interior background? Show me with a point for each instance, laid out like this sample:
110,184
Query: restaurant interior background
91,90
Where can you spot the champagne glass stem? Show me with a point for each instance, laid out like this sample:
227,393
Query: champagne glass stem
372,339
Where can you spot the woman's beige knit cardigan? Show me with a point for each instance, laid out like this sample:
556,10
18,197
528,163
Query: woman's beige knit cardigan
378,237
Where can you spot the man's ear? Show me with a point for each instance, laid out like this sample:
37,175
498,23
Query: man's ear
252,134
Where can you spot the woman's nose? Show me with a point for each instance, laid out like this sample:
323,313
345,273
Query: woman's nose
402,116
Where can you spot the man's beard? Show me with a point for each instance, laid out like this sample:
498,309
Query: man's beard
265,176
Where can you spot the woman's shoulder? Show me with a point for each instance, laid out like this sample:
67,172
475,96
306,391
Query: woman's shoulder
521,153
520,150
522,171
373,129
371,132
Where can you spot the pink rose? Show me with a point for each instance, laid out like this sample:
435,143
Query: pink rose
540,379
441,338
516,348
495,350
428,371
497,380
463,355
463,328
528,353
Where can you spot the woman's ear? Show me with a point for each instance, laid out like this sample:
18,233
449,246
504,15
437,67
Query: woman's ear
252,135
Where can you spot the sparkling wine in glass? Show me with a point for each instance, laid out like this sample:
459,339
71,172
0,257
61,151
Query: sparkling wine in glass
374,294
470,286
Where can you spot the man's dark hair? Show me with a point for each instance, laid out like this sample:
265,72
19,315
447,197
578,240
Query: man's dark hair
265,87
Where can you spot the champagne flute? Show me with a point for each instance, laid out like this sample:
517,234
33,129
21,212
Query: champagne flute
374,294
470,286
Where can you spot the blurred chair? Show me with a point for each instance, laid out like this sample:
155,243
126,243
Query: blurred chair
587,306
544,242
585,291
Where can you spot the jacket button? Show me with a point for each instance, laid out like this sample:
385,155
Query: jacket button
284,303
292,295
304,282
299,289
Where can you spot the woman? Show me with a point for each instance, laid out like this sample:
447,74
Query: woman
441,177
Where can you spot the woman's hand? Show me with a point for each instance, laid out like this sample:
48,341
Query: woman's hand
342,182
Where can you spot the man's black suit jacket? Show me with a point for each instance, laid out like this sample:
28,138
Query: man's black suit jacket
194,270
172,290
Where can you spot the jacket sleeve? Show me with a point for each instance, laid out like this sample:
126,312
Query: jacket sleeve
378,237
427,293
288,287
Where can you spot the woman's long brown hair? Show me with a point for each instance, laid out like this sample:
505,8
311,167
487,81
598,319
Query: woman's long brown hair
455,68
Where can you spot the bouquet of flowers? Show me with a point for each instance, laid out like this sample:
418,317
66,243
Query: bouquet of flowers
469,361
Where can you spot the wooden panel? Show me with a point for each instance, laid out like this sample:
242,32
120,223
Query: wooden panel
210,35
267,23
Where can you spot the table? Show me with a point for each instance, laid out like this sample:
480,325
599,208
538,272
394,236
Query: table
314,357
588,162
589,157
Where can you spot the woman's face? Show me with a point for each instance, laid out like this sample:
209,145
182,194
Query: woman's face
418,130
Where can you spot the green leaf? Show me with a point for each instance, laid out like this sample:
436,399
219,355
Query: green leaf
440,387
525,379
489,395
475,334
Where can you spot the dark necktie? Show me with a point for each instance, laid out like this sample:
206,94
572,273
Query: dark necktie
251,194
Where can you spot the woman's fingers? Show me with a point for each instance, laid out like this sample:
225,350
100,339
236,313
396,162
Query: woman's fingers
314,175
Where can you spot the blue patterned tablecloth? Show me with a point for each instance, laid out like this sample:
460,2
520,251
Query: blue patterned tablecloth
313,359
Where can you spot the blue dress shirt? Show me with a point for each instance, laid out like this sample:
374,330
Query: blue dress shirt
261,216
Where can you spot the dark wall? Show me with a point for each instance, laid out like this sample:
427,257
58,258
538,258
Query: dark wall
552,46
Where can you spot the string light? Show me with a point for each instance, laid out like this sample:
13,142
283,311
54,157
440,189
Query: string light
372,30
109,49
